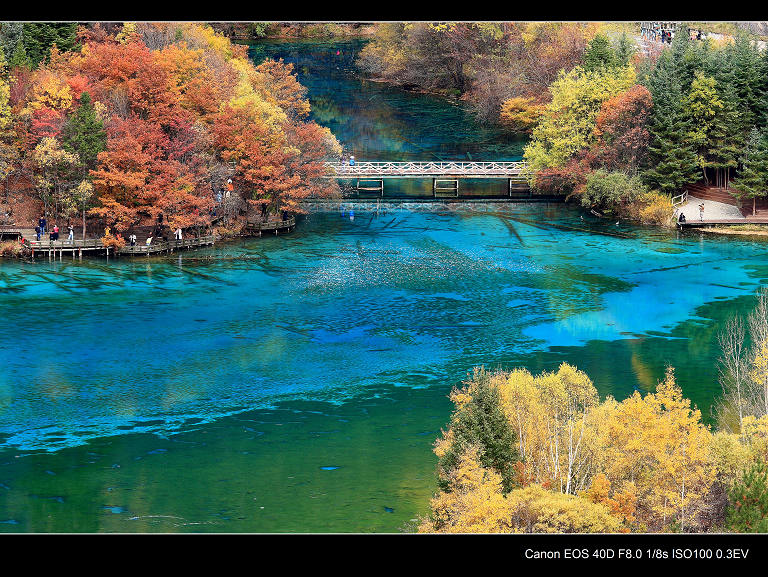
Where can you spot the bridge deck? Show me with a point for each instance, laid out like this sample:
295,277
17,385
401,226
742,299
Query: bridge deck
427,169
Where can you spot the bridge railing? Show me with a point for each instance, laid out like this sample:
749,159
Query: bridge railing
478,169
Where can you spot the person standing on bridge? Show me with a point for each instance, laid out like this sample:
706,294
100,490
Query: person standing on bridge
701,211
71,235
351,161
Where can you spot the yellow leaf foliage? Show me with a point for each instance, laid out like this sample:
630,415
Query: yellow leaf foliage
51,90
647,463
476,505
521,113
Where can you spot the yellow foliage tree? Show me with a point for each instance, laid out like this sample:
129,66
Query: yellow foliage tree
474,505
50,91
521,113
552,415
658,443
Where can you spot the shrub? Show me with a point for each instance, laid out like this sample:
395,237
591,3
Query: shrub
112,241
521,114
11,249
628,196
611,190
655,208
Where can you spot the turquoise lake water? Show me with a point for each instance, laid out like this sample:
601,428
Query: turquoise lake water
297,383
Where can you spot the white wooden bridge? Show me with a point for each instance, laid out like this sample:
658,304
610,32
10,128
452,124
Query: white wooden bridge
445,175
427,169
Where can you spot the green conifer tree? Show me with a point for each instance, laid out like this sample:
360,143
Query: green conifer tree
752,180
84,133
19,58
672,159
482,423
724,142
599,53
748,502
39,37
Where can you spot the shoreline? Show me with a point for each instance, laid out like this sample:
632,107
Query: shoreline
761,231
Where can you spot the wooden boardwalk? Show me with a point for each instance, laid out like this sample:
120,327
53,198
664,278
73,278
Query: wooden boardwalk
253,228
722,222
77,247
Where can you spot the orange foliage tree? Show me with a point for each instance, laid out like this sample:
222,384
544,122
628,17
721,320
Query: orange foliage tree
183,109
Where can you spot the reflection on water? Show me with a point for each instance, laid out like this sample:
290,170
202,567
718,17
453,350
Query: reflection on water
377,122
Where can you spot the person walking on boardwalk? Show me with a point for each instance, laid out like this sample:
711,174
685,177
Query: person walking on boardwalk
42,224
351,161
132,239
701,211
38,232
71,235
55,231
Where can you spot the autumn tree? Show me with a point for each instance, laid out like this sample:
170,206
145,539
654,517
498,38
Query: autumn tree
659,443
568,123
54,173
621,130
8,151
646,463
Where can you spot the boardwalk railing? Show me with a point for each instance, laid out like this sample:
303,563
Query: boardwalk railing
45,244
167,245
428,169
96,244
270,225
680,199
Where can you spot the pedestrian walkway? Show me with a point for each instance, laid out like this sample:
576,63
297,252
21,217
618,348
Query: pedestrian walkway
713,210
